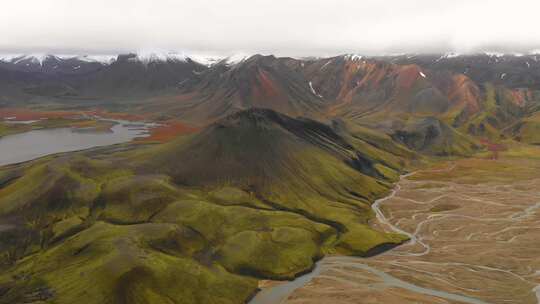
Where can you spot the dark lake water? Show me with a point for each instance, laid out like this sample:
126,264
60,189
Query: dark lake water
37,143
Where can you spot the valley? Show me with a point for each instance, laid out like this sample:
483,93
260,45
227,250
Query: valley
264,179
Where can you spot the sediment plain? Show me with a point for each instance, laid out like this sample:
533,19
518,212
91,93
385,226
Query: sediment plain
474,239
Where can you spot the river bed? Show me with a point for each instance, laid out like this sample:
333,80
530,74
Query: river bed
474,239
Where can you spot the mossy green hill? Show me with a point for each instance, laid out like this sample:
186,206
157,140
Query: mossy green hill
198,220
526,130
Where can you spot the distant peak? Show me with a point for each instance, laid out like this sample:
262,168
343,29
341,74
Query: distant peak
158,56
207,60
33,58
9,57
42,58
237,58
105,59
494,54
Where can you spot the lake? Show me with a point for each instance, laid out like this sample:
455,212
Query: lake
38,143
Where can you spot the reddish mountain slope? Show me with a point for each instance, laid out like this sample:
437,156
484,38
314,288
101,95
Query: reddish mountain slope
257,82
357,87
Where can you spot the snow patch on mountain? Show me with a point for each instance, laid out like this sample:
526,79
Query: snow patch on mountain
35,58
236,58
313,90
451,55
147,57
448,55
103,59
494,54
207,60
329,61
353,57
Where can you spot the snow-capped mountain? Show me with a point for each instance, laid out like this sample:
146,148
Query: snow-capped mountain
150,57
54,64
42,58
207,60
65,63
236,58
104,59
207,87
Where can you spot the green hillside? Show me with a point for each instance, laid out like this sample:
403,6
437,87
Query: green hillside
256,195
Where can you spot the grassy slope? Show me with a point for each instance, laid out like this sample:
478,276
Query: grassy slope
455,131
524,164
498,112
527,130
244,200
7,129
429,135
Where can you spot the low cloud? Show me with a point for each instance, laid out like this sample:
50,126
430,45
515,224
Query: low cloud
292,27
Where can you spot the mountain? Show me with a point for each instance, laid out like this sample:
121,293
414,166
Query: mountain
242,83
256,195
53,64
266,139
24,78
361,86
390,92
138,76
83,81
507,87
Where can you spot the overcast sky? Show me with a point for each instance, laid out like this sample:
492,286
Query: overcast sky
281,27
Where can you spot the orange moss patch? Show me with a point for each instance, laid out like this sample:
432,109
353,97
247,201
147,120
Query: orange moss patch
26,114
121,116
521,96
21,114
464,93
169,131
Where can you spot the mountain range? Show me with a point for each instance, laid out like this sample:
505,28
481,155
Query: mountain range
491,96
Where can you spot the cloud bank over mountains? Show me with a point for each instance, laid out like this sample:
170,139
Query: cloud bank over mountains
295,28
